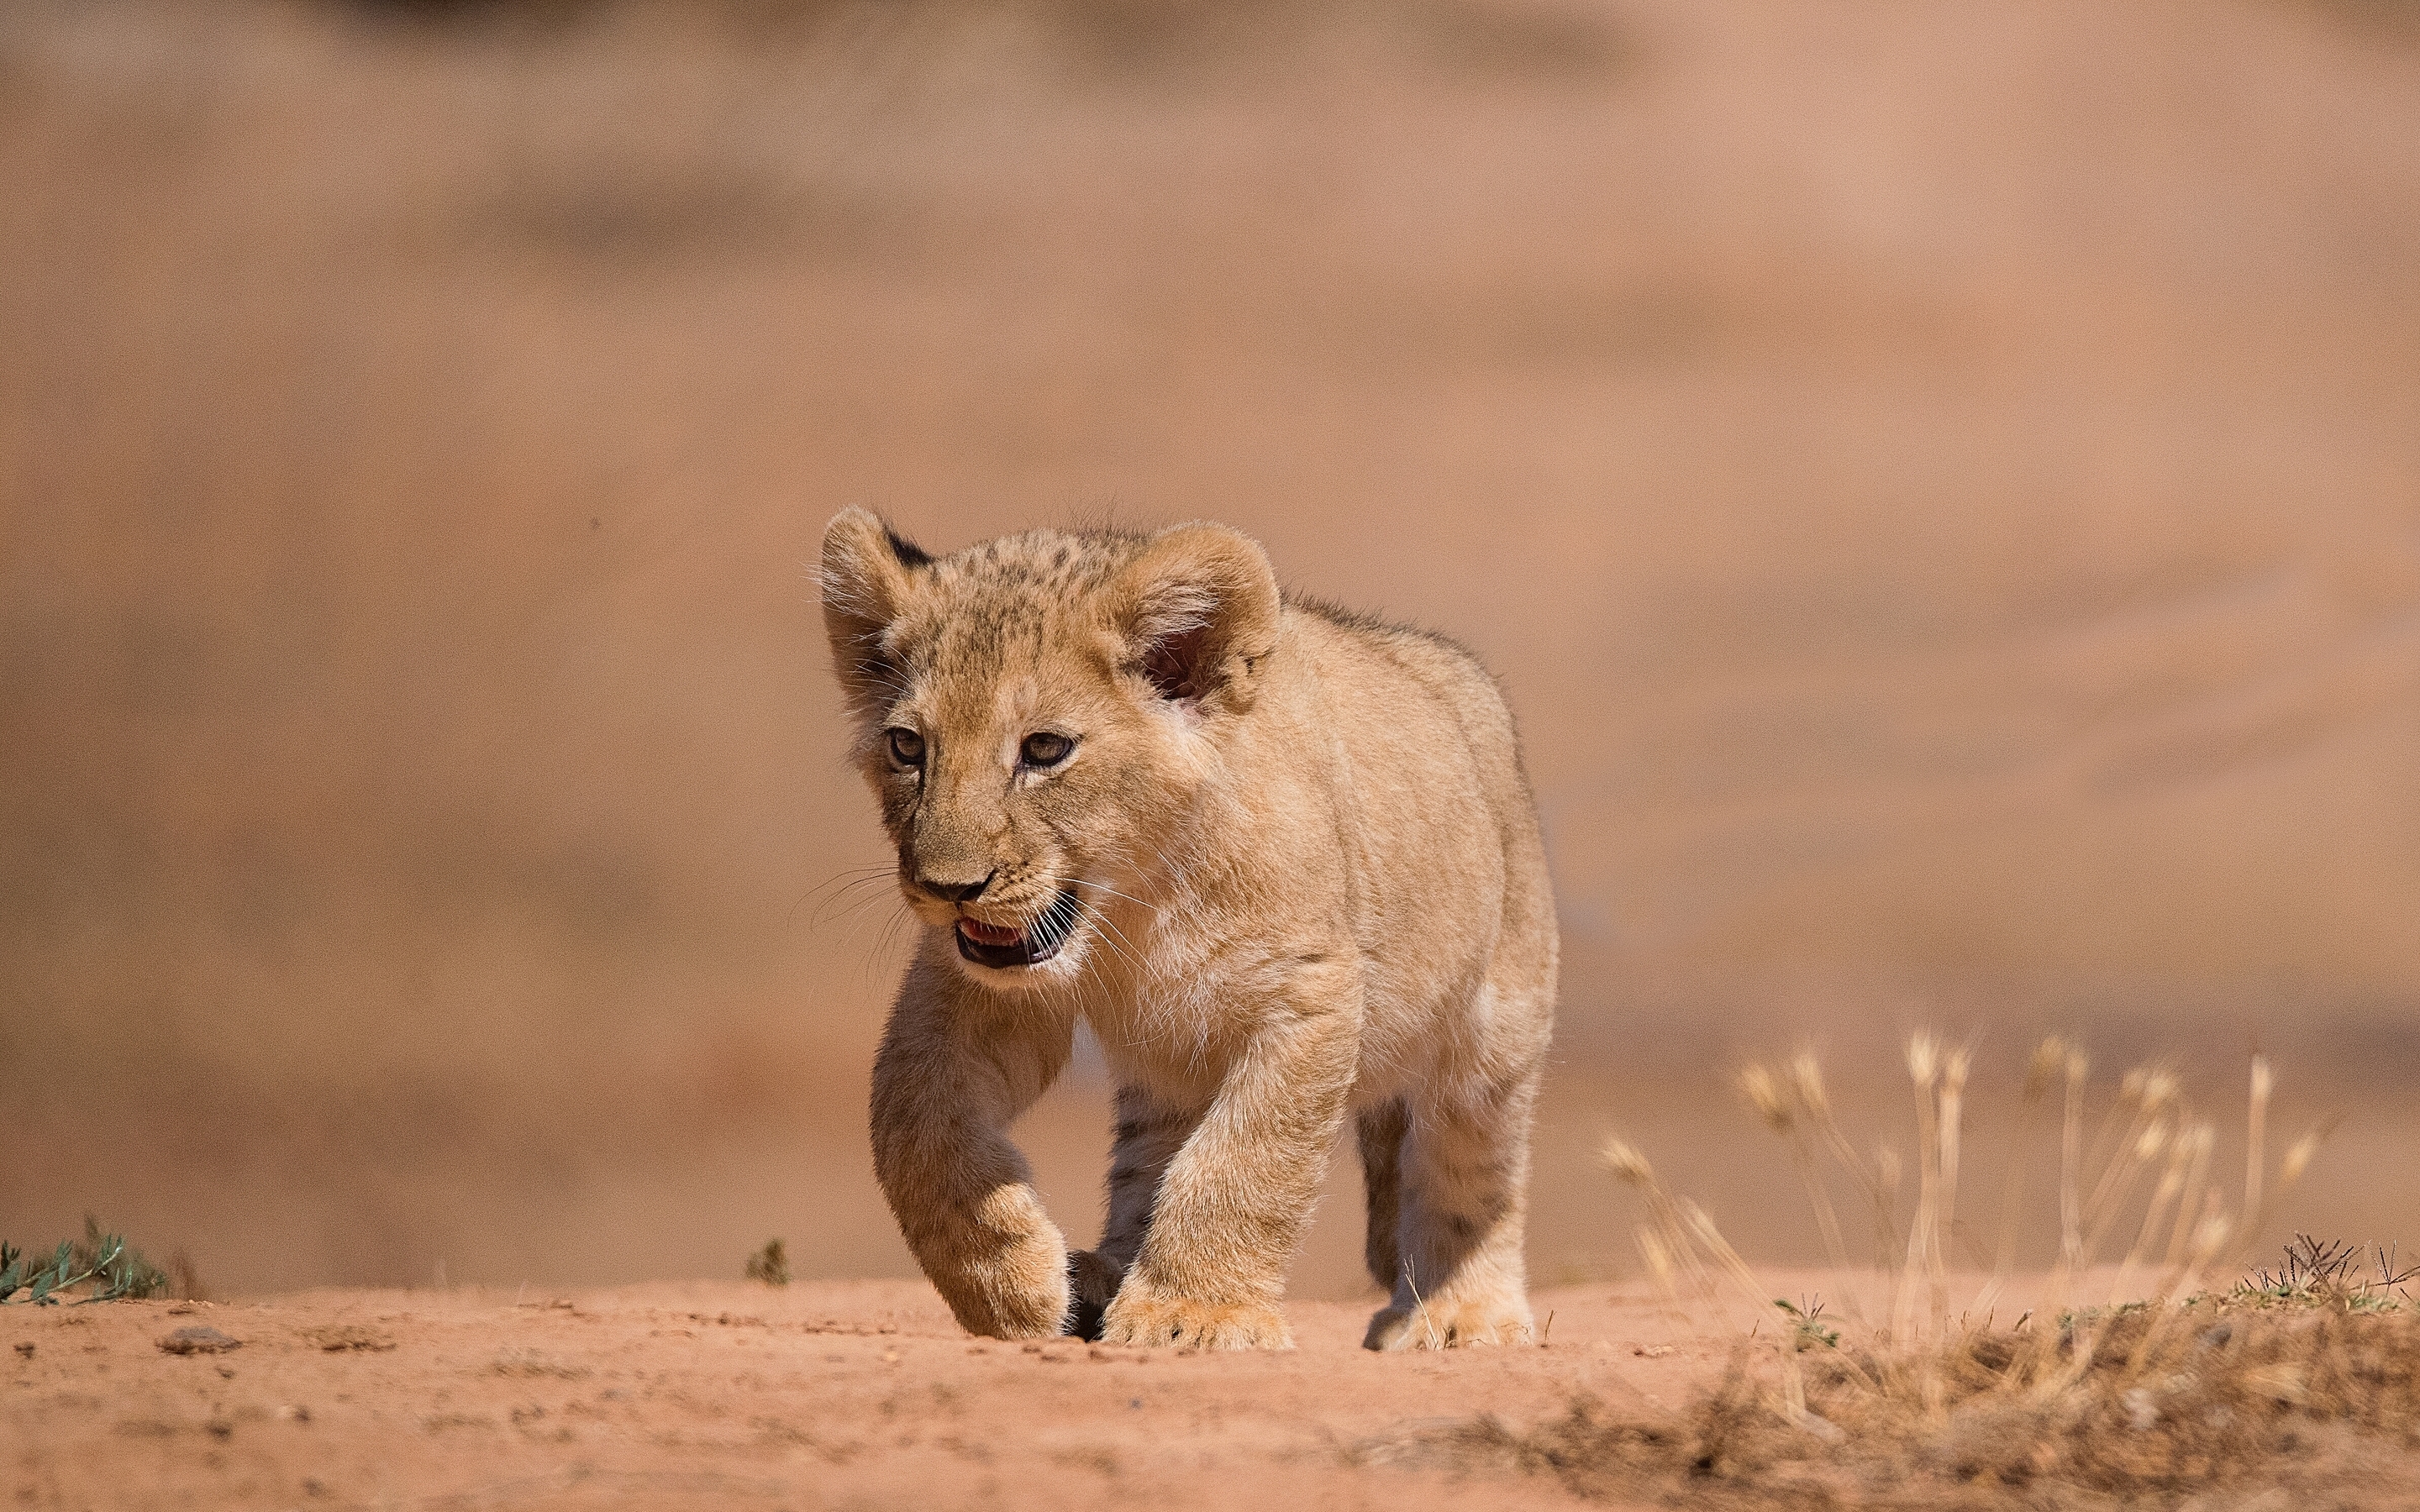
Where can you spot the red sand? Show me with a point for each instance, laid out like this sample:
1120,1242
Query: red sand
730,1394
830,1394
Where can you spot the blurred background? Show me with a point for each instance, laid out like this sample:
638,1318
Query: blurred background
1940,482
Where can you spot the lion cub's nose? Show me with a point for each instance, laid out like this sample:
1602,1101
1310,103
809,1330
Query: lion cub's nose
956,892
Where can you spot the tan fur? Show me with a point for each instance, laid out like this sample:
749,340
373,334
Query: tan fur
1307,885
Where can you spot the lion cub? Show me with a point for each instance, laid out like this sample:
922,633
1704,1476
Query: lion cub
1282,858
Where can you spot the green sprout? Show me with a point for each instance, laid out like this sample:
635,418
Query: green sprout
2328,1274
771,1265
114,1270
1808,1328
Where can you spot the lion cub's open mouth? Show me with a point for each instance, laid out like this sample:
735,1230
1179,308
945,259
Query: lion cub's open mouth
999,945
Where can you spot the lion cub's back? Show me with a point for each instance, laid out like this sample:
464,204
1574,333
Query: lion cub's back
1425,688
1448,831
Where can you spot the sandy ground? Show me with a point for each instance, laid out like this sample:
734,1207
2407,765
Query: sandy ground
858,1393
865,1395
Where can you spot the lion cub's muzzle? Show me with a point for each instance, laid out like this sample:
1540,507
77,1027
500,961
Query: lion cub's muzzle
1004,944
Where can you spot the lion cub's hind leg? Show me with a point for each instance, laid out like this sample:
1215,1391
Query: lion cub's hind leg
1381,1132
1091,1285
1149,1134
1464,1174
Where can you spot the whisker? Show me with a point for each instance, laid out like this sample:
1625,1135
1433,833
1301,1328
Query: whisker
884,944
1110,933
1112,936
1103,886
842,901
854,934
857,909
842,880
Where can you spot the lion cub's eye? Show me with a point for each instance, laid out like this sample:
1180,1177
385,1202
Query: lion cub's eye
1044,748
906,747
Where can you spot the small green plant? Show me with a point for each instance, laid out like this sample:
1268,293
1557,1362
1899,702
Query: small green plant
2328,1274
1808,1329
113,1269
771,1265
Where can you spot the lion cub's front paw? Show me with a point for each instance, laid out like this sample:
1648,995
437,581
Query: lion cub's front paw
1179,1322
1444,1325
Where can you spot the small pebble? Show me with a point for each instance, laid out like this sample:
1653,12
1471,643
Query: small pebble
199,1339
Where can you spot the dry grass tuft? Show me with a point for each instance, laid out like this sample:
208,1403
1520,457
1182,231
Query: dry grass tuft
2316,1402
2300,1382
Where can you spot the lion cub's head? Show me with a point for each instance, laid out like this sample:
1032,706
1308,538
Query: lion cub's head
1036,714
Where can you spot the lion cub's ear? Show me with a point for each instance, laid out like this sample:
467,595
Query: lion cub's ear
868,571
1198,610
